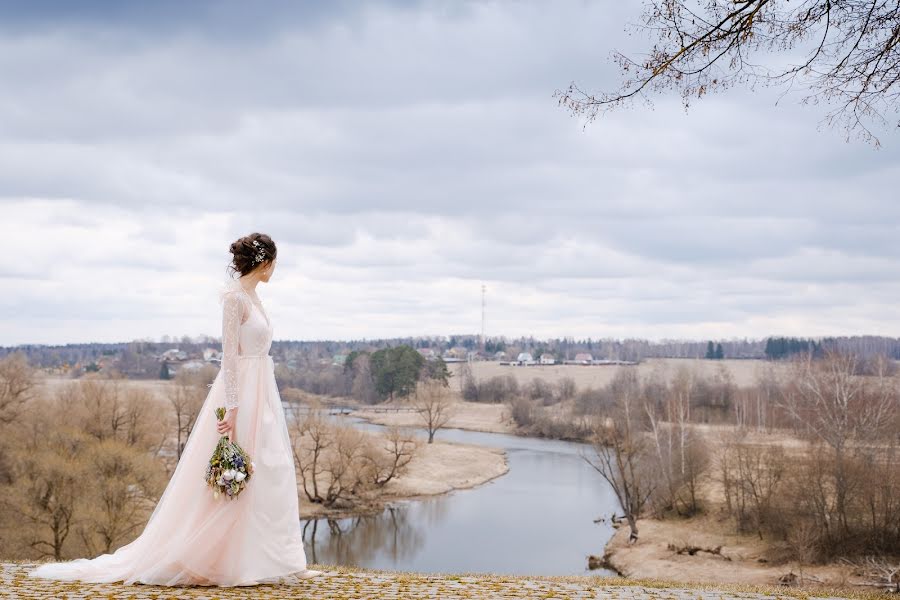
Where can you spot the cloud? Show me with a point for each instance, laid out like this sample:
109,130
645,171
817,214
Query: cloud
401,154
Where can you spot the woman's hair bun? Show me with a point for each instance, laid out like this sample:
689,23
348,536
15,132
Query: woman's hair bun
251,251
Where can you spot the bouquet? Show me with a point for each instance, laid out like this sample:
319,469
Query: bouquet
229,468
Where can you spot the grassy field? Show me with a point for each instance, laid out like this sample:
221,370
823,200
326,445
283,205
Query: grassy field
743,372
157,388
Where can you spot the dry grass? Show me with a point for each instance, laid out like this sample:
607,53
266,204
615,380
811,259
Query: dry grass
744,372
737,568
473,416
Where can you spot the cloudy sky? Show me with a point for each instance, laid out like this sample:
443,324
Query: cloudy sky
402,153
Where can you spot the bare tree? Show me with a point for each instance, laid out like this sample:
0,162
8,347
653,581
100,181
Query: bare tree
848,51
831,403
340,464
123,484
680,452
566,388
434,406
390,455
363,388
100,405
186,400
344,464
312,438
751,477
622,453
47,495
879,571
466,378
17,381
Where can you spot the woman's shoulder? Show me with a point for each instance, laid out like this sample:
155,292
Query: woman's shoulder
232,290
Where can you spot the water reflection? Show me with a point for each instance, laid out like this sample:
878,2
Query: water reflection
357,540
536,519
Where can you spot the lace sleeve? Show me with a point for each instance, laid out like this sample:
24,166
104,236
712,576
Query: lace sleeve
232,314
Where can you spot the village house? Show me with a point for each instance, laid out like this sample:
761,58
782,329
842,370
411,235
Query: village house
428,353
584,358
173,354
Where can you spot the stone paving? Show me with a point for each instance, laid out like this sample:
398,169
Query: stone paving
346,584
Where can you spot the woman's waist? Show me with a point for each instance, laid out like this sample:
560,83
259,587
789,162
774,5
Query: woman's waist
254,356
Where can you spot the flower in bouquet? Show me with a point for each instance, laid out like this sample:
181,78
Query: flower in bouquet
230,468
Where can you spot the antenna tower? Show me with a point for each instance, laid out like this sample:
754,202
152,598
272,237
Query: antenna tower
483,290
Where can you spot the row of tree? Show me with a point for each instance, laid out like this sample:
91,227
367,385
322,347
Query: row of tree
837,494
714,352
783,347
391,372
140,359
83,462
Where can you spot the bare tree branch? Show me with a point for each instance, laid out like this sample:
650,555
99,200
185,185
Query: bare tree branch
851,52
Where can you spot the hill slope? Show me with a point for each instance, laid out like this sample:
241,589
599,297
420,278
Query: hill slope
368,584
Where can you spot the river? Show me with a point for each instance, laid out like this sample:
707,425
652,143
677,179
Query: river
537,519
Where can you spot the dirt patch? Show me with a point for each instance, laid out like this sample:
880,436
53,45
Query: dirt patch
742,559
491,418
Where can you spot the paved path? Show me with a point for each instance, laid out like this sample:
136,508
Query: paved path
346,584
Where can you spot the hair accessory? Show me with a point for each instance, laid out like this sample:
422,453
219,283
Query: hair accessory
260,253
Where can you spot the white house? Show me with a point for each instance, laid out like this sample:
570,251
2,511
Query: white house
427,353
547,359
525,358
584,358
173,354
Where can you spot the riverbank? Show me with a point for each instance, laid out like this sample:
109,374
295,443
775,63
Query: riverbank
742,559
471,416
344,582
438,468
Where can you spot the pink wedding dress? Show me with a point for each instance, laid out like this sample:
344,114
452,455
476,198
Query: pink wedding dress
193,538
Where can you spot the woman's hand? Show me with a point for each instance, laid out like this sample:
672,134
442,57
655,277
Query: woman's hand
227,424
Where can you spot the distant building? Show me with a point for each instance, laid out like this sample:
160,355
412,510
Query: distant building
427,353
547,359
212,355
339,359
192,365
584,358
500,355
173,354
525,358
187,366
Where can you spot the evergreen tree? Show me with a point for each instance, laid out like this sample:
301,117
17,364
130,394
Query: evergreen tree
437,369
720,354
396,370
777,348
710,351
164,371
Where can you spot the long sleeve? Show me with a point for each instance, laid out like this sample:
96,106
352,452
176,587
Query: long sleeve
232,313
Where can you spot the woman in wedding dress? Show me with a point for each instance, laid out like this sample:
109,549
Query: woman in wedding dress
193,538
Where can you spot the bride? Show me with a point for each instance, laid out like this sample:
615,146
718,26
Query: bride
193,538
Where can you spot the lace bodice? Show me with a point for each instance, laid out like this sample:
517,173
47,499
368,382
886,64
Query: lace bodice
246,332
